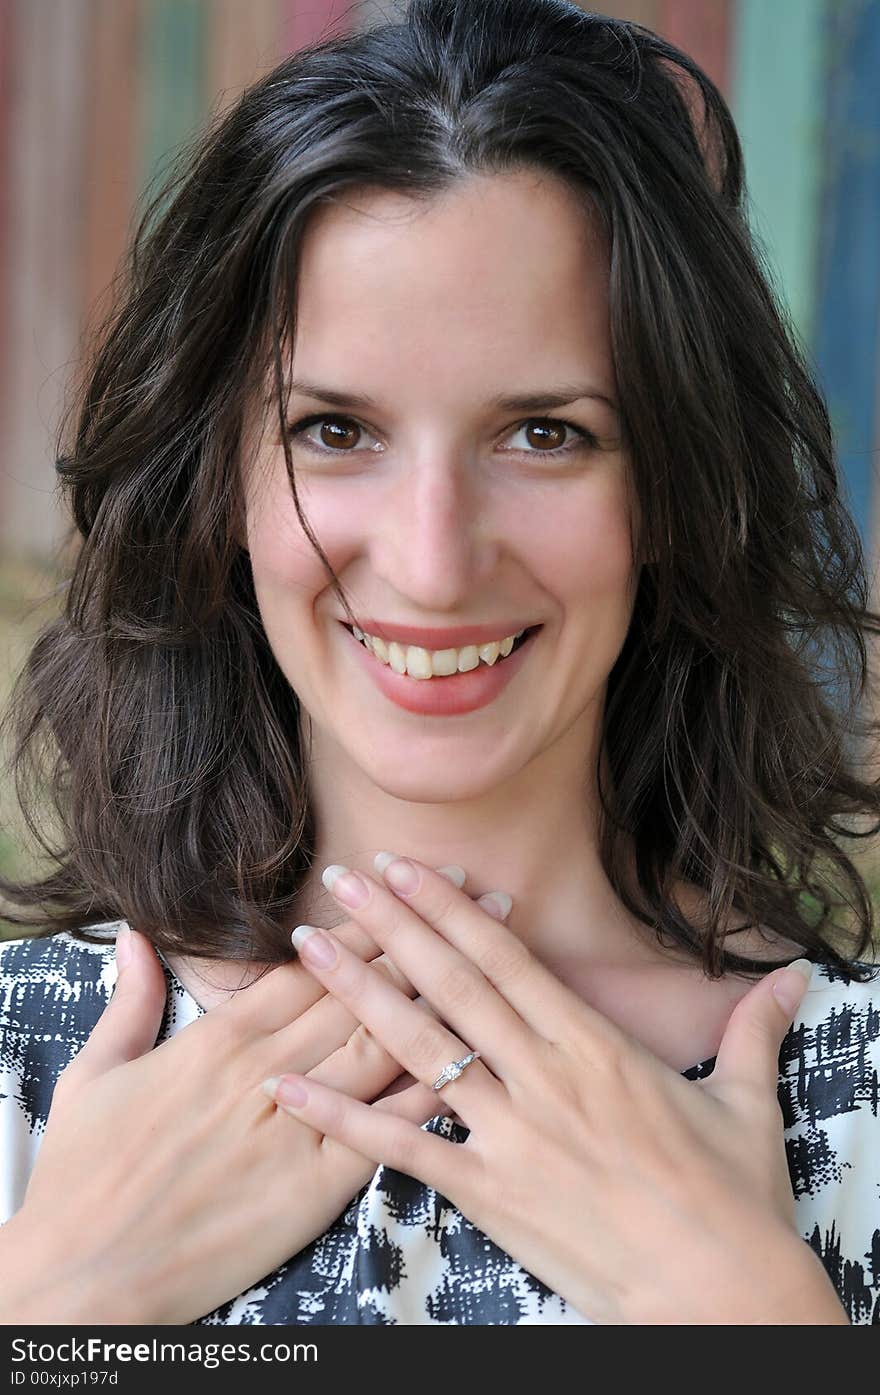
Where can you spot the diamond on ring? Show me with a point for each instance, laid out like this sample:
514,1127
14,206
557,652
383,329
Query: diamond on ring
454,1070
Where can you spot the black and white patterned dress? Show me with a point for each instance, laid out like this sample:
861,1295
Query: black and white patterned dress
400,1253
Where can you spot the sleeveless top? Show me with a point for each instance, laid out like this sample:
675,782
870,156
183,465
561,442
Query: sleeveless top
400,1252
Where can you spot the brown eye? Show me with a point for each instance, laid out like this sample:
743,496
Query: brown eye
545,434
335,435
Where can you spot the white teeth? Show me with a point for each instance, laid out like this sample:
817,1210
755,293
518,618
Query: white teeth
397,657
444,662
468,658
417,662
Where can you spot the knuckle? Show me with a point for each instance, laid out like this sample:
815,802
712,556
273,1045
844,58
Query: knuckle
444,903
363,1048
507,963
350,978
403,1147
427,1046
461,987
390,972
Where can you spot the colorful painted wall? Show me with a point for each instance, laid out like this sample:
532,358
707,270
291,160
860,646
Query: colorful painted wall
96,94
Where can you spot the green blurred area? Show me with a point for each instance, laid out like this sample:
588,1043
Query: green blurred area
27,604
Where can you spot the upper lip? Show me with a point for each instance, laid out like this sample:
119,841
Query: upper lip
432,638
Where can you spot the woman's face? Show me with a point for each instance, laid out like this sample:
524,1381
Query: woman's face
437,507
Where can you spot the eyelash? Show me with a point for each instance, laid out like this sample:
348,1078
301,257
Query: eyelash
297,430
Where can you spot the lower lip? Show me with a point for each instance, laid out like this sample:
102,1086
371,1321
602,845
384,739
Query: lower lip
443,697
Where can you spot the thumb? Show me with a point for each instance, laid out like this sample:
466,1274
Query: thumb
750,1048
130,1022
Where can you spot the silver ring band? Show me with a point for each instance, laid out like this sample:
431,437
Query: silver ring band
454,1070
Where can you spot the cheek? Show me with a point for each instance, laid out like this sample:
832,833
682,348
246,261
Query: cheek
585,549
282,557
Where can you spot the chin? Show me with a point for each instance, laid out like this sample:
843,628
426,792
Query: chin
424,782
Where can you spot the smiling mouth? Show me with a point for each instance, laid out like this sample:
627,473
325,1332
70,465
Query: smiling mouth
517,644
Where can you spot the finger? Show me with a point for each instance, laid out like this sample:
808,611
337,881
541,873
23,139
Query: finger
324,1029
419,1042
445,974
275,1001
752,1041
379,1134
278,997
130,1023
417,1103
362,1068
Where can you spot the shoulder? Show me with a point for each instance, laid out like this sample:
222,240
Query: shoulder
55,986
835,1001
52,992
829,1092
831,1056
59,966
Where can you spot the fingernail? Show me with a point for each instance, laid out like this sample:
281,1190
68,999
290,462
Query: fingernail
348,887
453,874
315,946
400,874
285,1091
500,900
791,986
123,947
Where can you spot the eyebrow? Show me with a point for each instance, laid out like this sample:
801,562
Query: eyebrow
559,396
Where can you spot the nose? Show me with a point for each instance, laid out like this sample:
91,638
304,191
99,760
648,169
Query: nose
433,543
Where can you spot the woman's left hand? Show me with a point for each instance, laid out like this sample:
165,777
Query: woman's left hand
637,1195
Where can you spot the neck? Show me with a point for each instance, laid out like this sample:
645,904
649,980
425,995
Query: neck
535,837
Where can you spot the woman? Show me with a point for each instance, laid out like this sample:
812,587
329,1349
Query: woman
449,483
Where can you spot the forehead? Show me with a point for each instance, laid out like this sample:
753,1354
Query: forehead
498,275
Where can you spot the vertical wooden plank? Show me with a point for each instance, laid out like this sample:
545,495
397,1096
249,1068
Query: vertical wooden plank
7,80
848,318
311,21
778,72
173,101
702,28
45,183
111,175
243,42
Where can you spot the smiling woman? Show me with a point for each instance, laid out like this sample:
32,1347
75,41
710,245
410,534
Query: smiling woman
448,481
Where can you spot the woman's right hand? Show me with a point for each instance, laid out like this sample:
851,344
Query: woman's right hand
167,1182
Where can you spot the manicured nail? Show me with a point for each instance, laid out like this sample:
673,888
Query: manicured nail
314,946
399,872
500,900
454,874
348,887
285,1091
791,986
123,947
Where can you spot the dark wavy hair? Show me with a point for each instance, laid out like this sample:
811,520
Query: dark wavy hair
152,714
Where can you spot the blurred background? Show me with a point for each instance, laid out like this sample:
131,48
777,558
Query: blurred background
96,97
